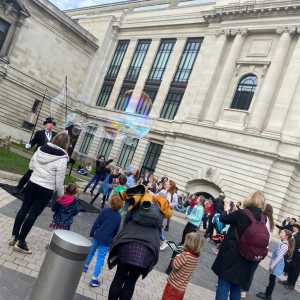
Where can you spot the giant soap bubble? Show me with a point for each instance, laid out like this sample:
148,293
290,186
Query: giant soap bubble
130,125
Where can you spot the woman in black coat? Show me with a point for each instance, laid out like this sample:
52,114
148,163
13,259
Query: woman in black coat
234,271
135,251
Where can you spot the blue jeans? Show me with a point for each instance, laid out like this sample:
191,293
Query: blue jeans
223,289
94,180
101,253
161,235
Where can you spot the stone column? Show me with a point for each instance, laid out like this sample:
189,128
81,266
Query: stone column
99,63
291,127
122,73
283,106
200,87
167,78
149,59
265,97
215,105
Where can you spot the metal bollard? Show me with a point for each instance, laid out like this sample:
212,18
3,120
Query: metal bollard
62,267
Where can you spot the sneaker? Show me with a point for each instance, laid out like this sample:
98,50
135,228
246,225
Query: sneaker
85,268
289,287
22,247
243,295
284,282
167,228
12,241
94,283
263,296
163,246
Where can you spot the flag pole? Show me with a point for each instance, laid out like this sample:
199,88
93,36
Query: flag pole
66,100
38,115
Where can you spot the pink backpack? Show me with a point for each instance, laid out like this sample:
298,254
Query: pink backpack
253,243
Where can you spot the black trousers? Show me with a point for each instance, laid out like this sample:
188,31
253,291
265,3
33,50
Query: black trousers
270,287
210,228
104,199
24,180
189,227
293,272
123,284
204,220
36,198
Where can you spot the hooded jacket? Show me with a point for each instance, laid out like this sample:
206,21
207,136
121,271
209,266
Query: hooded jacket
49,165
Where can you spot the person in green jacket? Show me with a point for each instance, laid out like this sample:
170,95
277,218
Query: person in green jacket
194,219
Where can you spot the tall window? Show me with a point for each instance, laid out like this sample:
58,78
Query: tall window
124,98
161,60
4,27
187,60
132,74
112,73
127,153
137,60
146,100
171,104
151,158
87,139
117,60
105,147
155,76
180,80
244,92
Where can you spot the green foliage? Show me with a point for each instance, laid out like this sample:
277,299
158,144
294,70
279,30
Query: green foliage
70,179
12,162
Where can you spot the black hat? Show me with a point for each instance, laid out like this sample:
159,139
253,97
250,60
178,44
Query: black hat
49,120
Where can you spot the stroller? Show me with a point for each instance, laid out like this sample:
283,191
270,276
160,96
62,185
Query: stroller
221,229
177,249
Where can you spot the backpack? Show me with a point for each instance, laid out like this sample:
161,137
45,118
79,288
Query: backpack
254,241
148,216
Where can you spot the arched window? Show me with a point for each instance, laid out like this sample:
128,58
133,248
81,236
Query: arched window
244,92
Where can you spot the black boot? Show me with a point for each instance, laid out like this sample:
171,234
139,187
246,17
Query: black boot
94,199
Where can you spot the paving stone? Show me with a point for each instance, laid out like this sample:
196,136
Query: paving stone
202,285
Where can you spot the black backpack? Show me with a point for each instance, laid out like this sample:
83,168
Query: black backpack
148,214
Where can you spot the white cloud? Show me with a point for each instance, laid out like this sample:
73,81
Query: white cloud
67,4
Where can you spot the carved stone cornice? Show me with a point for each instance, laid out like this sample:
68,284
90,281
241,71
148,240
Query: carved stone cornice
253,10
288,29
14,8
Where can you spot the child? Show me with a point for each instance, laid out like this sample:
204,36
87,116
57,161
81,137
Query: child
111,181
194,219
121,186
103,231
183,266
66,208
277,262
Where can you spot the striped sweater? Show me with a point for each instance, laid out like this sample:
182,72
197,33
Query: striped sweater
183,265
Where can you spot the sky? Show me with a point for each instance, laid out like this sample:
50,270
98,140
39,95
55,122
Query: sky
67,4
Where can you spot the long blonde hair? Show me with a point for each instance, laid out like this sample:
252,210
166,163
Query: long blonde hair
256,199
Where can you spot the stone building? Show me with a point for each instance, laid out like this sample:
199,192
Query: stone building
39,47
222,78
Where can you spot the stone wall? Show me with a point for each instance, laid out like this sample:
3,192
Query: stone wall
44,51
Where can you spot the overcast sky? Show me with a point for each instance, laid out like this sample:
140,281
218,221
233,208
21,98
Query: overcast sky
67,4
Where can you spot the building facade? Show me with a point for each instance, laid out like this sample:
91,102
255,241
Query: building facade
216,83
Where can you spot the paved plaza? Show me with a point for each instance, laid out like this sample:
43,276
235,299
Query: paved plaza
17,271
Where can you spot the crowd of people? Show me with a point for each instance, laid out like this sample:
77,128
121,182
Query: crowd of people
136,210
